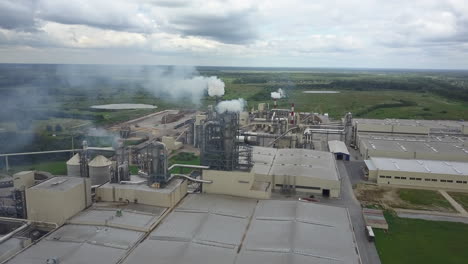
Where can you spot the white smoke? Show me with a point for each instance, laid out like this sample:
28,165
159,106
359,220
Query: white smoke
278,94
174,83
233,106
215,86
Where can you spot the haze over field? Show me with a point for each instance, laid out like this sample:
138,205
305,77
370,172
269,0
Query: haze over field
296,33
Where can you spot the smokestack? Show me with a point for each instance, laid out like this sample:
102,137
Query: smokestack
292,114
274,103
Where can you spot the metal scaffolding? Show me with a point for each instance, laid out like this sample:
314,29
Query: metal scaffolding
220,149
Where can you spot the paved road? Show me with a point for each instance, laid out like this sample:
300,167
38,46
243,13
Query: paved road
454,203
430,216
367,249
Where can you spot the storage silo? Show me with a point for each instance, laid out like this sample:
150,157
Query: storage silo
99,170
73,166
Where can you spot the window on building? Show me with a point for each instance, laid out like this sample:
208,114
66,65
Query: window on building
464,182
443,181
459,182
434,179
381,176
412,179
418,179
396,177
388,177
427,179
449,181
403,178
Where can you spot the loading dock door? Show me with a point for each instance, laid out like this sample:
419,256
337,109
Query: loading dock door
339,156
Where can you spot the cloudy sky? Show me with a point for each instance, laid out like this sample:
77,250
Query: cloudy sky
279,33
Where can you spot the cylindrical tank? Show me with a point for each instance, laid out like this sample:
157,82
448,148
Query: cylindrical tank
99,170
73,166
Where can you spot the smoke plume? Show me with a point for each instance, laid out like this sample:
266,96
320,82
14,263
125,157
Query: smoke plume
215,86
30,93
233,106
278,94
172,83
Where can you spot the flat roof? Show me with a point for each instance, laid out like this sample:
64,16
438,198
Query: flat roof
223,229
294,162
59,183
336,146
413,138
433,124
72,244
169,188
136,217
421,166
404,145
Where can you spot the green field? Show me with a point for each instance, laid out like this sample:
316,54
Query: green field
410,241
422,199
54,167
461,198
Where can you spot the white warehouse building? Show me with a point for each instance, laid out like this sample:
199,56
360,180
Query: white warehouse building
422,173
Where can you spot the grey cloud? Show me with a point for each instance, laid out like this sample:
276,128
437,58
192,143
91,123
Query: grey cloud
171,3
18,15
105,14
231,28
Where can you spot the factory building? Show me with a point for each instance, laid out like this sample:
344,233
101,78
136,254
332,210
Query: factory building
411,126
57,199
219,229
339,149
301,170
423,173
451,148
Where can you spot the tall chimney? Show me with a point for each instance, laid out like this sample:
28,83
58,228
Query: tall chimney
292,114
274,103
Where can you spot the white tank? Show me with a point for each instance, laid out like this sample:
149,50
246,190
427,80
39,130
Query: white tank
99,170
73,166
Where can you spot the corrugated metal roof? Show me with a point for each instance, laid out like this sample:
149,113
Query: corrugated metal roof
131,218
221,229
73,244
294,162
421,166
100,161
336,146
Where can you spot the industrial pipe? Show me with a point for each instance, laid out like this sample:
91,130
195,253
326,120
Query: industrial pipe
133,182
9,235
188,166
189,178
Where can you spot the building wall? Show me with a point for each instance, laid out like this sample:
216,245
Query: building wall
23,179
399,129
423,179
465,130
309,184
235,183
55,206
142,194
374,128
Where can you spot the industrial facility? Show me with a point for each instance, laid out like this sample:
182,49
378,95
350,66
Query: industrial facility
263,192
